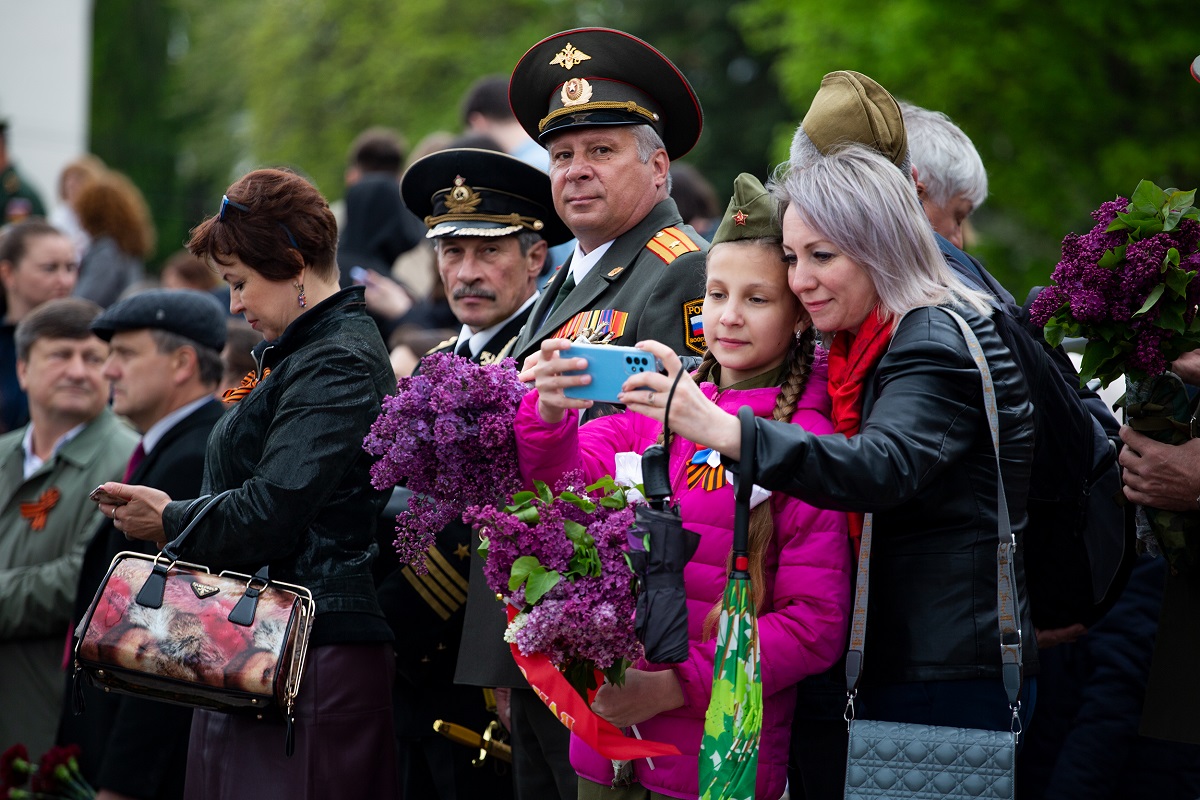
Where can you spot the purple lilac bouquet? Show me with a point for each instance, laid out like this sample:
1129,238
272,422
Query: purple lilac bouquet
1127,286
447,435
561,560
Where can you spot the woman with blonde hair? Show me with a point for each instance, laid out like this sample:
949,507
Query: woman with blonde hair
114,214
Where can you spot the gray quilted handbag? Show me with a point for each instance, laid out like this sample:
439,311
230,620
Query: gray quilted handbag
927,762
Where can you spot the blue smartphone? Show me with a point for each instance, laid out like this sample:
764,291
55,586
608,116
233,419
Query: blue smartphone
609,366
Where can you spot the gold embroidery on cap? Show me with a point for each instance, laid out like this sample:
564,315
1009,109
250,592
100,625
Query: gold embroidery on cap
575,92
462,199
569,57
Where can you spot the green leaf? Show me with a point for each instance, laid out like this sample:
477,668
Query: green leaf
1172,318
582,503
482,550
521,569
575,531
543,492
1094,354
520,499
1177,280
1112,258
1147,197
1054,331
606,484
1155,293
529,515
613,501
540,581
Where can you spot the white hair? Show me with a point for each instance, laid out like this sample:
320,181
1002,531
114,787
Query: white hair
946,159
856,198
648,143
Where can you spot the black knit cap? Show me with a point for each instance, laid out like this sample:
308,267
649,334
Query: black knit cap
599,76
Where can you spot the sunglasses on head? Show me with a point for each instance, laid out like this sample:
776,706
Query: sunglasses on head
226,203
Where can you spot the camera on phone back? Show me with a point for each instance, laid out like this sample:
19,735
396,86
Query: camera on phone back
609,367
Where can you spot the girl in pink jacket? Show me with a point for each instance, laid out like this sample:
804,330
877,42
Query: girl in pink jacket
761,354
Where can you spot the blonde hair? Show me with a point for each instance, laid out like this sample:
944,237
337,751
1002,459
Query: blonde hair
859,201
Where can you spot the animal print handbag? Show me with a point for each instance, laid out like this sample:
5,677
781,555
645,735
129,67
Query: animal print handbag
174,631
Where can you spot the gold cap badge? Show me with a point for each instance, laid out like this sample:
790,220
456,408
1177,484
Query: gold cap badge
462,198
576,91
569,57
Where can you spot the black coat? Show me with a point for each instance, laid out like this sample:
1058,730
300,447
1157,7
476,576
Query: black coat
291,451
923,462
129,745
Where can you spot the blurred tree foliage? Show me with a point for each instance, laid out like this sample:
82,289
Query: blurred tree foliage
1069,103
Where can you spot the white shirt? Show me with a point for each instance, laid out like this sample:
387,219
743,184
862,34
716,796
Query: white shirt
582,263
32,462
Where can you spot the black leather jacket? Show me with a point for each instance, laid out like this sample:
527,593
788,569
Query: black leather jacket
923,463
292,452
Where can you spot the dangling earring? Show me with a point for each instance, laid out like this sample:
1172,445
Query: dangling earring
301,299
798,335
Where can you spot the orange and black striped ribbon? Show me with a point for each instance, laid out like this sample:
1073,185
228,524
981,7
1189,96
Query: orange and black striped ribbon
248,383
701,473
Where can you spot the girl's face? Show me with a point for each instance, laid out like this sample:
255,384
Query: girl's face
750,314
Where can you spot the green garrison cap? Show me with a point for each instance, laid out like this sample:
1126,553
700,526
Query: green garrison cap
850,107
752,213
598,76
470,192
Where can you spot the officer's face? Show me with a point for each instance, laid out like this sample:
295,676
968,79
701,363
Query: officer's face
486,278
142,377
47,271
64,378
601,187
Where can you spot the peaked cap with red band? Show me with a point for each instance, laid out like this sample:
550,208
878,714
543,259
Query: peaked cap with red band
589,77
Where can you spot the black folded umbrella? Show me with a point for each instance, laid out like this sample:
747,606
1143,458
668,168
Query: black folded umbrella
661,621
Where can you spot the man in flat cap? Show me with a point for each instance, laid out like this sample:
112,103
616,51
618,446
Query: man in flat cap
72,443
612,111
490,217
164,364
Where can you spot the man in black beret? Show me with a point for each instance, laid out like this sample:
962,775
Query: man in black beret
164,365
612,111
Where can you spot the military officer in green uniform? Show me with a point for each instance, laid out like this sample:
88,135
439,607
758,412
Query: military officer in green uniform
490,217
612,111
18,200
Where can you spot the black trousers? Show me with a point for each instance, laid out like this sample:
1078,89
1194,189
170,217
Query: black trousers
541,751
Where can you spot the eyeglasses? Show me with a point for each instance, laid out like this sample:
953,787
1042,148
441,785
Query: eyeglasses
226,203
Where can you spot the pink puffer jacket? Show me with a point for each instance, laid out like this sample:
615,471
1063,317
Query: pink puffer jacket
803,628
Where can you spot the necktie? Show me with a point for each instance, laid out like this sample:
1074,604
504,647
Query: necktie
463,348
563,291
139,453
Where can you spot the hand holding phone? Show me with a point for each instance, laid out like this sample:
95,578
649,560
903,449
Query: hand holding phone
610,366
98,495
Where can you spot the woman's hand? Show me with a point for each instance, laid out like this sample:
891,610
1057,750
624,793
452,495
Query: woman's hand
140,516
693,416
644,695
549,380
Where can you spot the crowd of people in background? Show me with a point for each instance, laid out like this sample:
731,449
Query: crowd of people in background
559,210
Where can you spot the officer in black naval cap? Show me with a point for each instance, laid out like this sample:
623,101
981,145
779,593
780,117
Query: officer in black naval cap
164,365
612,111
490,217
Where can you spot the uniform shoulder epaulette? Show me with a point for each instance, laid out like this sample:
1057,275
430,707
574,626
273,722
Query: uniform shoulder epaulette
453,340
670,243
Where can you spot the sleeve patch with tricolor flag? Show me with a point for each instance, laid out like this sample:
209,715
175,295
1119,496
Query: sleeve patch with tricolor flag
693,323
670,243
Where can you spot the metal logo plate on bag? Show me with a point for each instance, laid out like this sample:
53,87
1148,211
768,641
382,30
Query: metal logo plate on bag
203,590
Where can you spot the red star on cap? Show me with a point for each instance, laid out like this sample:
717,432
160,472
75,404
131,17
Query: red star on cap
740,218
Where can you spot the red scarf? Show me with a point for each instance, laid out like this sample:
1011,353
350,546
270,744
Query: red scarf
850,360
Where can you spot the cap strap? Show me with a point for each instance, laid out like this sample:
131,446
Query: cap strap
599,105
532,223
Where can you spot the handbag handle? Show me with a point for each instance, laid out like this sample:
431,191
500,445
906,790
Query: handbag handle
656,473
151,593
1006,577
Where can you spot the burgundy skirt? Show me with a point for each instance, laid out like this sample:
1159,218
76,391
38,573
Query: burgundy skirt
344,737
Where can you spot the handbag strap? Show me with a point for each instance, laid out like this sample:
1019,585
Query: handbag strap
656,472
1006,579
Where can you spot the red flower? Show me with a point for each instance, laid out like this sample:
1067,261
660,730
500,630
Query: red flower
14,767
